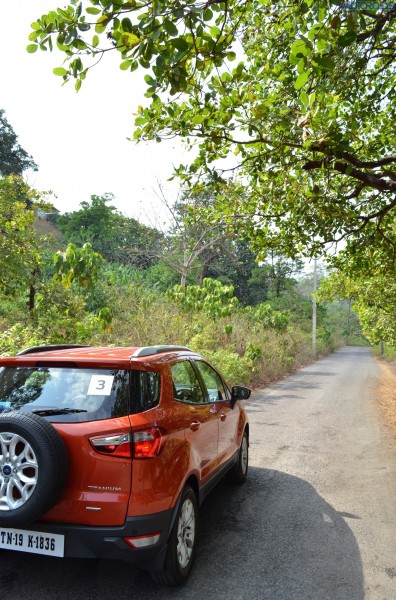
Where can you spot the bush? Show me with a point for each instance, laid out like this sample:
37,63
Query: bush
234,368
19,337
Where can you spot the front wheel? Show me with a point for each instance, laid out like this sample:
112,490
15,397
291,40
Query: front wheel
182,541
239,473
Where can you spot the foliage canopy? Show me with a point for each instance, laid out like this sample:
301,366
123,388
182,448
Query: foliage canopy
299,96
20,245
13,158
116,237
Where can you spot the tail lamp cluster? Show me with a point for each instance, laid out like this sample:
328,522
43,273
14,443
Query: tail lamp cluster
139,444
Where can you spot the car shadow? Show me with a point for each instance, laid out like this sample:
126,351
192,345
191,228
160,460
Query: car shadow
272,538
283,538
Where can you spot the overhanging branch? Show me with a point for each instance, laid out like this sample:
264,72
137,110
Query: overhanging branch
373,180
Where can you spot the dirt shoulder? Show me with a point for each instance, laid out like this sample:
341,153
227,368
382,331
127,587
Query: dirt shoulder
387,393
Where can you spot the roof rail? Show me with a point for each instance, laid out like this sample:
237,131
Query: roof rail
149,350
50,347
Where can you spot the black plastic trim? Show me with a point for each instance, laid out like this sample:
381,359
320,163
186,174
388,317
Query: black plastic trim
208,486
50,347
82,541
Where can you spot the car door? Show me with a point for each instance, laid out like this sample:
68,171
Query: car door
219,396
194,413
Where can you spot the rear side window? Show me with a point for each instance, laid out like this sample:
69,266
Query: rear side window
145,390
65,394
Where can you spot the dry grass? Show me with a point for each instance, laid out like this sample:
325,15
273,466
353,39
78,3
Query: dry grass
387,393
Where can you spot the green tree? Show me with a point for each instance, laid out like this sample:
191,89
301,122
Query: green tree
13,158
373,299
213,298
94,223
235,264
307,113
77,265
276,275
20,245
116,237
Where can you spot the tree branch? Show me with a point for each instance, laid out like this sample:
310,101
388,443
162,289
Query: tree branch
382,20
372,180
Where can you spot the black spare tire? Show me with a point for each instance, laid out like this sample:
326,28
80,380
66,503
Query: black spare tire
33,468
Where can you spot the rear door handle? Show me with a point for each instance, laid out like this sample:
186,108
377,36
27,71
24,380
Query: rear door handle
195,425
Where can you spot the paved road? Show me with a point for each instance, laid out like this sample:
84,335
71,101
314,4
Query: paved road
315,521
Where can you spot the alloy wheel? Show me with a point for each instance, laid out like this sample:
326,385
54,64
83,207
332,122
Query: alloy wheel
185,533
18,471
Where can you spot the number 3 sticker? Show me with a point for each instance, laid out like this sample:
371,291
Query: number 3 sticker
100,385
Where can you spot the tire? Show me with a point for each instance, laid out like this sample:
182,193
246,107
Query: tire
33,468
238,474
182,542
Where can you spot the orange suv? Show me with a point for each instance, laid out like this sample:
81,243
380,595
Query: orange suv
108,452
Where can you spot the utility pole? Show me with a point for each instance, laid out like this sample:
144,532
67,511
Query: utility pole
315,286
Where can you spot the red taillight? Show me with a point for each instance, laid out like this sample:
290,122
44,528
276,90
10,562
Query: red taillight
147,443
113,445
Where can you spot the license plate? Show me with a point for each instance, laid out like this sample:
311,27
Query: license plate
35,542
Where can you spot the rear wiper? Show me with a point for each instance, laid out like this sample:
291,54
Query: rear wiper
46,412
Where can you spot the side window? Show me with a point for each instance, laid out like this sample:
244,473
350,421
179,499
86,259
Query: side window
145,390
150,389
186,386
213,382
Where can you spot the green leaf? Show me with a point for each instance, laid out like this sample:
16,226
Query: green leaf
126,25
32,48
180,44
130,39
124,66
301,66
301,80
215,32
80,44
325,62
300,48
60,72
149,80
304,98
70,37
347,39
170,27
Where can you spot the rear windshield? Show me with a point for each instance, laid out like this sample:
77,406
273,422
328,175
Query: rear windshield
65,394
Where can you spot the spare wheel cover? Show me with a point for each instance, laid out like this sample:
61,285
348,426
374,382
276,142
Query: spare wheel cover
33,468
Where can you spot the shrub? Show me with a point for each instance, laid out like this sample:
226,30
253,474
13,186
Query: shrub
19,336
234,368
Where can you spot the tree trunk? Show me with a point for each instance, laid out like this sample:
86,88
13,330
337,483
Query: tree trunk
32,291
183,281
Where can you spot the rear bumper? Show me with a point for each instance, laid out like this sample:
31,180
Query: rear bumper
107,542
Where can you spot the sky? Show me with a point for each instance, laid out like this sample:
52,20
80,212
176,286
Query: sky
79,140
